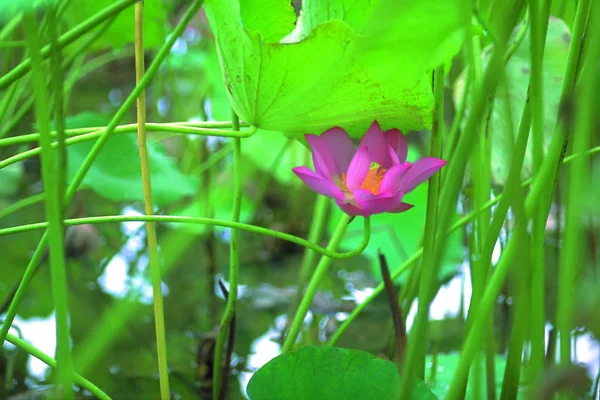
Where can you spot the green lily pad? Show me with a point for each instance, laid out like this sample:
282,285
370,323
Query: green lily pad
116,173
329,373
517,72
337,67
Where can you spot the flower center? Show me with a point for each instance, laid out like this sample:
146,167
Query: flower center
372,181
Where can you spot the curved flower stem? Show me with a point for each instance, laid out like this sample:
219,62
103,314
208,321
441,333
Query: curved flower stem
54,211
317,277
46,359
157,298
132,128
202,221
120,114
234,266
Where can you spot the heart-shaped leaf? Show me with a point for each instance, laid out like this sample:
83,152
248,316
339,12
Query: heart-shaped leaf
329,373
116,173
336,67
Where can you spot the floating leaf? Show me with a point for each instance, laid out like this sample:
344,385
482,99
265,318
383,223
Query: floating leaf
116,173
335,68
517,72
329,373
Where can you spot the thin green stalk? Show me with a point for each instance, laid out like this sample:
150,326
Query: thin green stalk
100,134
539,25
571,254
127,104
157,298
308,260
54,214
189,128
202,221
49,361
234,266
316,230
16,116
455,172
547,174
7,100
22,203
313,285
56,83
10,26
512,371
453,134
66,39
416,362
417,254
93,64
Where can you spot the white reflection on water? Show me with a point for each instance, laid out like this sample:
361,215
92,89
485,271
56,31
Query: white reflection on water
41,333
116,279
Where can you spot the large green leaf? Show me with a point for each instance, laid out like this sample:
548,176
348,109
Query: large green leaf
121,30
265,146
518,70
399,235
336,67
329,373
116,173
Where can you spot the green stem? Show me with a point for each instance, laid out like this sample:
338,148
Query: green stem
157,298
22,203
546,176
131,99
66,39
316,229
415,358
234,266
53,213
417,254
201,221
49,361
317,277
189,128
100,134
571,254
539,26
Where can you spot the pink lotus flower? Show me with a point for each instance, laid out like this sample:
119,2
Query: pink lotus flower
370,180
